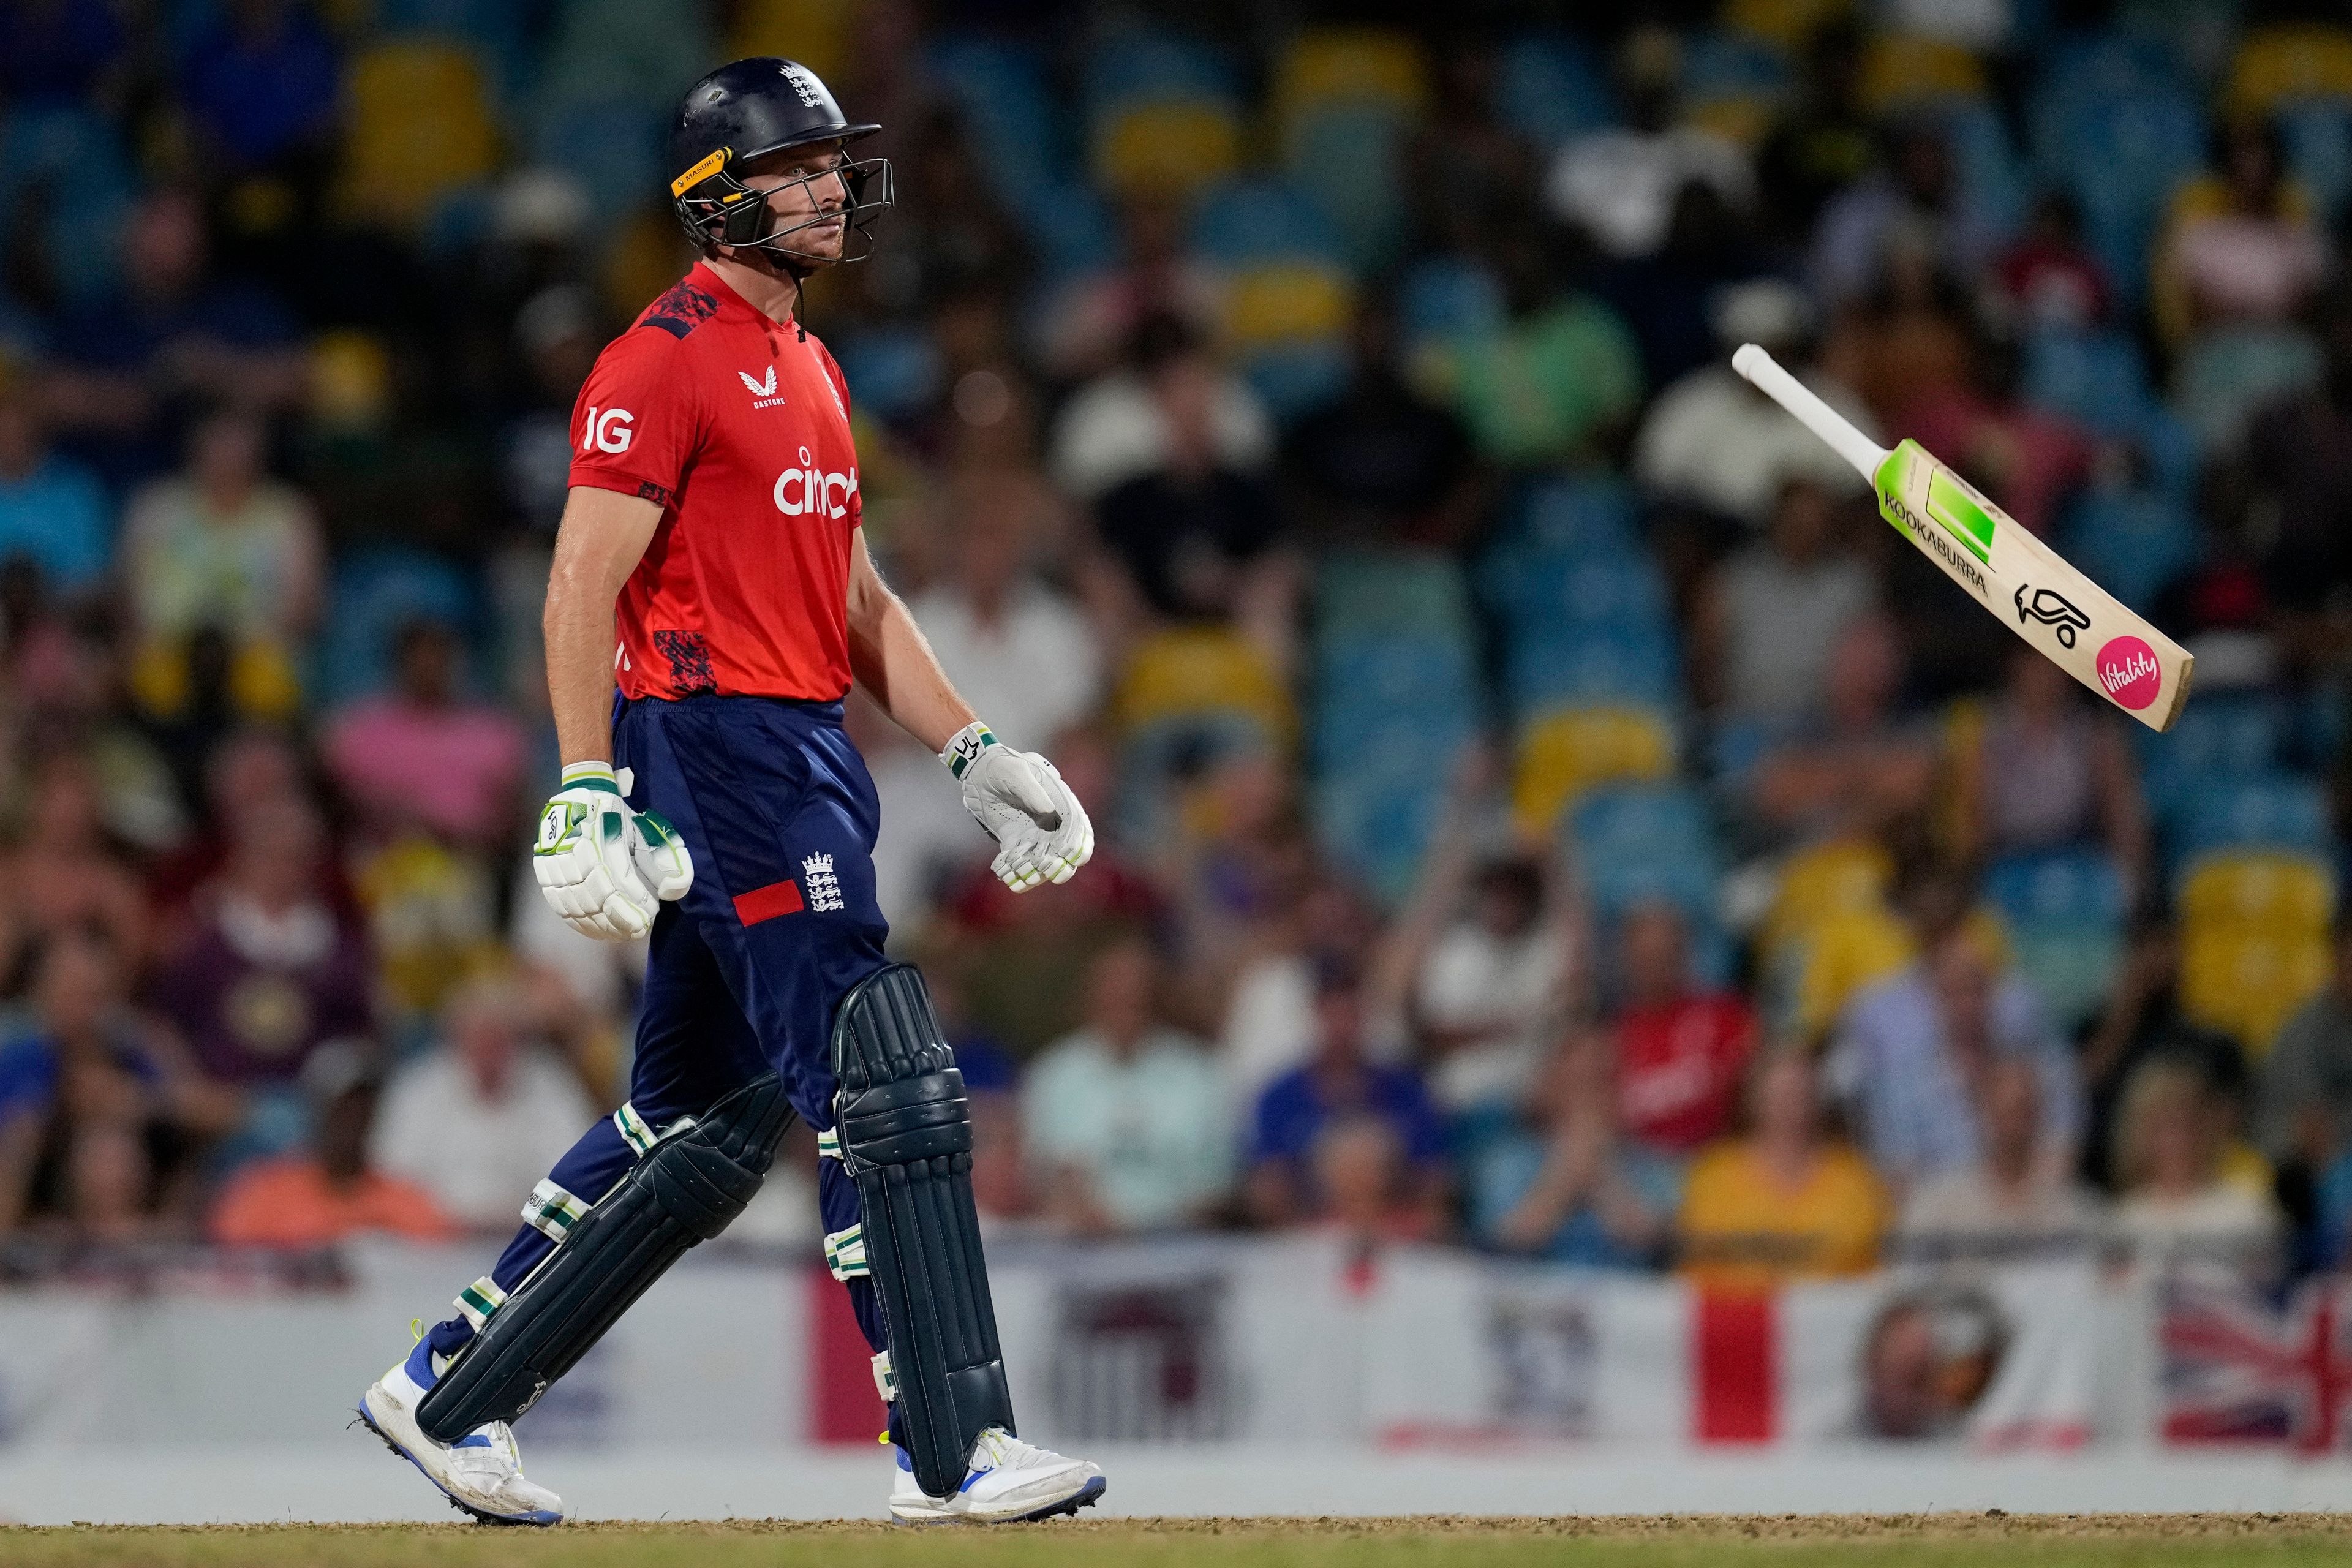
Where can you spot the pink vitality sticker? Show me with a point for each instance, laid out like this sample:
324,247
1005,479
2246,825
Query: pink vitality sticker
2129,672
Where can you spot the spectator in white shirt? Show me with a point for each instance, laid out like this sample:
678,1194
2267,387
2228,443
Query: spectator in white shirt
1620,184
477,1121
1714,442
2011,1203
1126,1120
1021,653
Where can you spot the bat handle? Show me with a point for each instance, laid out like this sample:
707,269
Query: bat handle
1794,396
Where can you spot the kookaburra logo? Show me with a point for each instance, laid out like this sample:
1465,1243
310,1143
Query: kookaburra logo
2052,609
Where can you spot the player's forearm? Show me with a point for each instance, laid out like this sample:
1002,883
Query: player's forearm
603,537
894,662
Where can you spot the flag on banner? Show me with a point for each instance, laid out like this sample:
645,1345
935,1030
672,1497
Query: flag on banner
2237,1369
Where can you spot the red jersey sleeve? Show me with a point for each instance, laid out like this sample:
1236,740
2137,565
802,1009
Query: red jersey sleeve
638,421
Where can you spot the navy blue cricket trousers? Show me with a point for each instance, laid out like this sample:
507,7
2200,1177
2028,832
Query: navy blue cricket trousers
745,972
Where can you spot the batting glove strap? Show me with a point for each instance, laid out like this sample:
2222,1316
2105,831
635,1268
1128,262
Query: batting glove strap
964,750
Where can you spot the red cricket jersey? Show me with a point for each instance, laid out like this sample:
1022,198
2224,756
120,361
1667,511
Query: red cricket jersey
740,427
1679,1068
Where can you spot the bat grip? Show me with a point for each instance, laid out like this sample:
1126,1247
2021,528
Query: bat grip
1766,375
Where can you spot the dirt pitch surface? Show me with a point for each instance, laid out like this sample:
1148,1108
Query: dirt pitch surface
1915,1541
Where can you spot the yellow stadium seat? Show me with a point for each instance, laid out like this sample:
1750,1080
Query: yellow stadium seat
1741,119
417,123
1899,69
1566,753
817,33
1789,24
1188,671
1838,956
1166,149
2259,891
430,909
2248,984
2288,63
1837,878
1287,301
1350,65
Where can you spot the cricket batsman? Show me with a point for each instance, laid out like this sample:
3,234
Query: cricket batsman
710,561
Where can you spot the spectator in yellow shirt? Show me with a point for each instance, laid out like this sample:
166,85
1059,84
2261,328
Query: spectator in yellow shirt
1784,1202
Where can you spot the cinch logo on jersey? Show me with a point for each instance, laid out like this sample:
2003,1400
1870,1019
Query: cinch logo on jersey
608,430
808,489
763,391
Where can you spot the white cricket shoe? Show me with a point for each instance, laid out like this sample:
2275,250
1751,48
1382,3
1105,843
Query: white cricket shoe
1010,1480
480,1473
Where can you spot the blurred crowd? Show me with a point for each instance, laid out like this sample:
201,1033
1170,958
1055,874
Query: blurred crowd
1542,808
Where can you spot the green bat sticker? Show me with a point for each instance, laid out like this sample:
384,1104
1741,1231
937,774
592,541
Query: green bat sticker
1952,516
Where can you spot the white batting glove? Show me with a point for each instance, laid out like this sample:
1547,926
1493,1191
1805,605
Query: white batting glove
604,868
1041,832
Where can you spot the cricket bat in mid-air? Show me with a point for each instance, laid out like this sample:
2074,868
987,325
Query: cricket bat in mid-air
2074,622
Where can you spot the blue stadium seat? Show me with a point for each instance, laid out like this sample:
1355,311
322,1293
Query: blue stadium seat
2281,811
1638,843
1001,90
1150,65
1546,668
2318,139
2220,739
371,595
74,151
892,371
1364,595
1391,712
2130,543
1548,88
1447,298
2113,125
1257,220
1292,379
616,151
1990,180
2094,378
1348,158
1070,227
2065,913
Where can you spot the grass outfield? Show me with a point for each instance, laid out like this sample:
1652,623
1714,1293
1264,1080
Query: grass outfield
1915,1541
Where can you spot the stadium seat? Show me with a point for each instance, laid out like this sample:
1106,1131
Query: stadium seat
1350,65
1733,85
2221,739
1142,64
635,52
2291,64
1835,878
2285,894
1564,755
1002,94
2116,126
1548,88
1287,301
497,31
1547,667
1639,842
1350,160
2278,811
2248,984
820,33
2093,378
1900,70
2225,375
1171,149
1360,593
2131,542
370,595
1187,671
614,150
1788,25
416,125
2318,138
1448,297
893,370
2065,913
1252,221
